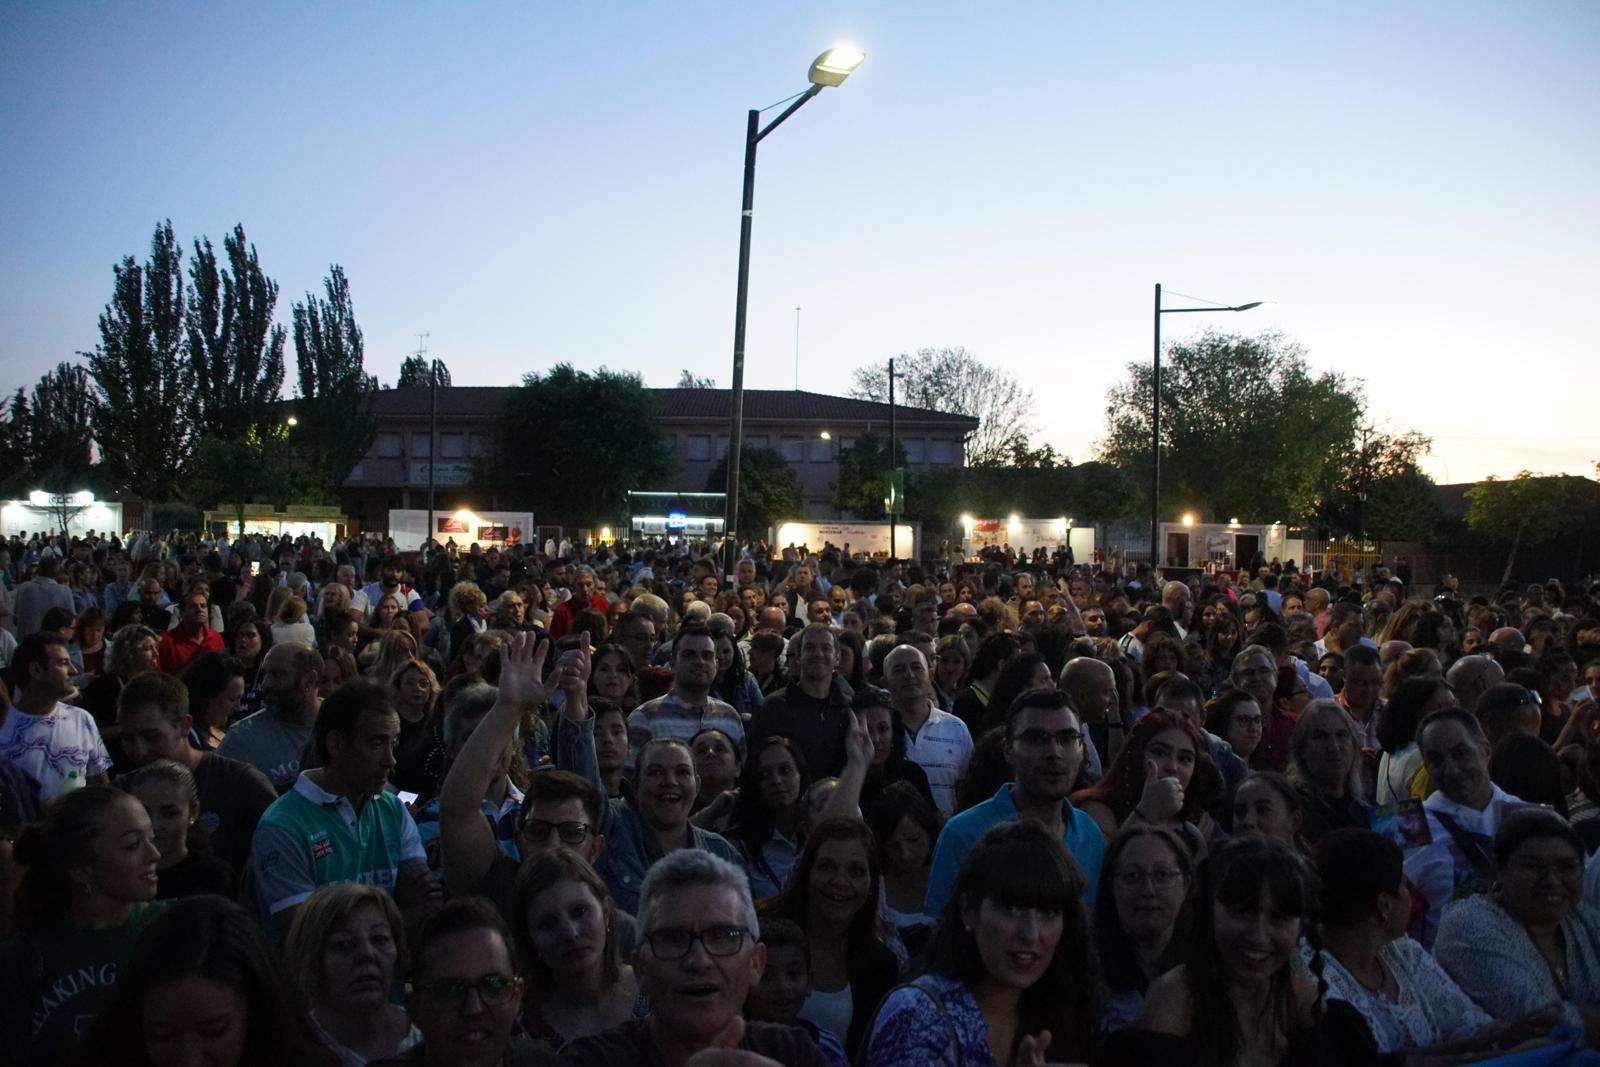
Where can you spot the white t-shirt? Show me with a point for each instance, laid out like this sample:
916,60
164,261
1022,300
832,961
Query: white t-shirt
61,745
941,748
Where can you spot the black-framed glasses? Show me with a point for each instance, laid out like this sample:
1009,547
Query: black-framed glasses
672,943
1159,877
572,833
493,990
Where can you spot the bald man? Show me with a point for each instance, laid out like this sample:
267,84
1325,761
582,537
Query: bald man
1091,685
1471,676
1508,639
936,741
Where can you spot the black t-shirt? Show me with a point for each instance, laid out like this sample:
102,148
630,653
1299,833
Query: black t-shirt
199,872
632,1044
233,794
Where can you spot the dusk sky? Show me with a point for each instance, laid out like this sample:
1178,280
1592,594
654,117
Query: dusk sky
1416,186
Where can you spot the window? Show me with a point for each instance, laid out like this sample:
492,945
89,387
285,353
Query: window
421,446
477,445
758,441
699,448
452,446
794,449
913,447
388,446
819,451
941,450
846,444
722,447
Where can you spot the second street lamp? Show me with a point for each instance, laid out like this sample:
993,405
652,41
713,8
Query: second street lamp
831,68
1155,419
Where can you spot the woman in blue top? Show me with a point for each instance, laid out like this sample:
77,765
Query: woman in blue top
768,813
1011,973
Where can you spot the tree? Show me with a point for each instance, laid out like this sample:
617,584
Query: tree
956,381
336,396
1531,509
414,372
861,487
1246,429
768,490
53,434
15,417
235,351
255,468
1085,492
687,379
143,416
1372,486
594,439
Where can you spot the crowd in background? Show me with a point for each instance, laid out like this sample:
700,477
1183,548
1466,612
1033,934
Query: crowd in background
268,800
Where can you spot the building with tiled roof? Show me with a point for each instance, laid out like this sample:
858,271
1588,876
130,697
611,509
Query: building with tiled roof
693,422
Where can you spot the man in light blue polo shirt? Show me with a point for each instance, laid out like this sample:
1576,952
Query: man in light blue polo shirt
1044,747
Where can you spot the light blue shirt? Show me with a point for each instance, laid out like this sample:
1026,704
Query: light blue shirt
1083,839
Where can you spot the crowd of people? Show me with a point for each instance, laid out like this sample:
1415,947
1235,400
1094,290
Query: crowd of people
271,801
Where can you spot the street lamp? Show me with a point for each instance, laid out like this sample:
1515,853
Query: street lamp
434,367
831,68
1155,420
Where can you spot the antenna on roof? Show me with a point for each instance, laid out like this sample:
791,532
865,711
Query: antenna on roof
797,348
422,343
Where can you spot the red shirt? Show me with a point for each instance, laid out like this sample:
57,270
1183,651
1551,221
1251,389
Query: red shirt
567,610
177,648
1276,734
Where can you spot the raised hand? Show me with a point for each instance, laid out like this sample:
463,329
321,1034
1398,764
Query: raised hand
1162,798
522,669
857,743
573,666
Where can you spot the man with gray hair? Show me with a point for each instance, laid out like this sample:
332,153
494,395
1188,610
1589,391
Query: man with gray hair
698,958
937,741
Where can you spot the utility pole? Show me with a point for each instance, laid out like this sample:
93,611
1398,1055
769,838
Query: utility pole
797,348
433,427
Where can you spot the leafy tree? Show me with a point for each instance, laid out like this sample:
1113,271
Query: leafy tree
861,487
254,468
688,379
52,433
768,490
1246,427
414,371
956,381
15,417
142,417
336,396
1372,486
235,351
593,440
1087,492
1531,509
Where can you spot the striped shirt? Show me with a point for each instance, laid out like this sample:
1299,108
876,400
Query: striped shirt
941,748
670,717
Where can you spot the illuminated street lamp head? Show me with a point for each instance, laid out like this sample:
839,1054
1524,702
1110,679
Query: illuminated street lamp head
835,65
292,421
825,435
1188,518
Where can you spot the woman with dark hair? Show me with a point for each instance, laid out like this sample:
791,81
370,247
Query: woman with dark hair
734,684
1234,716
89,877
1526,767
1223,641
833,895
1411,1005
1141,917
1162,777
201,986
905,824
1011,971
1020,673
1528,944
248,643
216,685
569,938
1238,998
972,701
88,648
768,814
614,677
1268,803
1401,775
888,736
1436,632
170,797
951,659
852,668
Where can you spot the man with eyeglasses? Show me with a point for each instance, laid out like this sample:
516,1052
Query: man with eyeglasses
1044,749
465,993
697,960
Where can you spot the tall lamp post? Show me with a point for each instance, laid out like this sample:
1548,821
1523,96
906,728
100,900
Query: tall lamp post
1155,419
434,367
830,68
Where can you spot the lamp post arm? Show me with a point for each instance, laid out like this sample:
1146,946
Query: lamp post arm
790,110
1180,311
